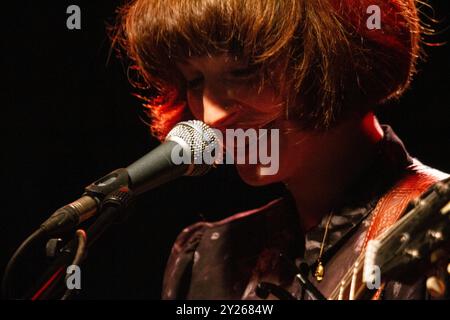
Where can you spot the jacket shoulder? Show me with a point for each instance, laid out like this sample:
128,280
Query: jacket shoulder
212,241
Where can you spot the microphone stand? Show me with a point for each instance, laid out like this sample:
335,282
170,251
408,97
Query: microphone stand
113,209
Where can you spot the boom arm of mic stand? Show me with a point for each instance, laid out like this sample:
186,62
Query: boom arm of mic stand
113,206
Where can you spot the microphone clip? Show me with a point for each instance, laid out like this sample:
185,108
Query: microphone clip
90,204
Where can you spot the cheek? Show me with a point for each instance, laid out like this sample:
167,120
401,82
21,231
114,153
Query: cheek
293,149
265,101
280,167
260,109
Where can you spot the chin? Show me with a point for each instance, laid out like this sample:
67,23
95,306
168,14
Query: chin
250,174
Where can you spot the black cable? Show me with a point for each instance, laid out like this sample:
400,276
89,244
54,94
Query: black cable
310,288
113,207
263,290
6,288
303,270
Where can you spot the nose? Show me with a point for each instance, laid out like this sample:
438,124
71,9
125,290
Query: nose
216,105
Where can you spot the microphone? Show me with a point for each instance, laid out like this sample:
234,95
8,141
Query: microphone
181,154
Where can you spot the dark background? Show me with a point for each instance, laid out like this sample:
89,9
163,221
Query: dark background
69,117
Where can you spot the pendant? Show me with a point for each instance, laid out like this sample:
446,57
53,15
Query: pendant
319,271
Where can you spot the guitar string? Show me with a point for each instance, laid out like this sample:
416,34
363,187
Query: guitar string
383,238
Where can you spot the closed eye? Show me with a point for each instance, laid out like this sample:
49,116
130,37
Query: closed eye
244,72
195,83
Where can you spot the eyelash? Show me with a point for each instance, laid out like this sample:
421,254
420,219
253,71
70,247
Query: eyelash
193,84
244,72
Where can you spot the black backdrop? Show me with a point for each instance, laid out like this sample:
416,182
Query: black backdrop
68,118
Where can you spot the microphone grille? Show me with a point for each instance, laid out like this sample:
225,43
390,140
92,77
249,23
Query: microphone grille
199,138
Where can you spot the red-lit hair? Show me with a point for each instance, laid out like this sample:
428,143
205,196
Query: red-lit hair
335,63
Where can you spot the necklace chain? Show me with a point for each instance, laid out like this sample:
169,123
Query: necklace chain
320,270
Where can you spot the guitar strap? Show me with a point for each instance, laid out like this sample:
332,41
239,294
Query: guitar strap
392,205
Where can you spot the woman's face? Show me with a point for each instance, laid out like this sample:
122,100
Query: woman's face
225,93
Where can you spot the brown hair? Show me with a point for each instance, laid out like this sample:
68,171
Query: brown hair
334,62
